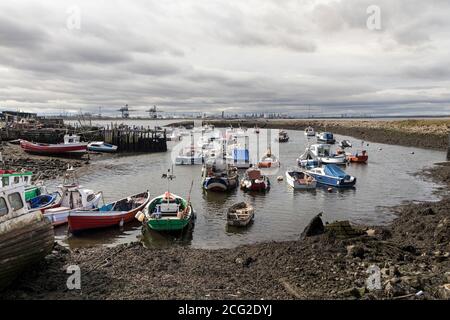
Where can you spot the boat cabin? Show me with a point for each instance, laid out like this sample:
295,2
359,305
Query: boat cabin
71,138
76,197
321,150
13,178
12,201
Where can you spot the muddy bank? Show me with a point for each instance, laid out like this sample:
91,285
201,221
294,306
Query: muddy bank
412,254
43,167
431,134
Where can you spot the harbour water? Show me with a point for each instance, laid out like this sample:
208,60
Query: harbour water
280,214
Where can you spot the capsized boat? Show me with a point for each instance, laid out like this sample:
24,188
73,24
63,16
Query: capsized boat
253,180
25,237
240,214
219,175
100,146
326,137
116,213
71,146
300,180
168,212
309,132
332,175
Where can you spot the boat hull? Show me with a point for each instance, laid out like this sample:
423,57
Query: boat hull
168,224
358,159
84,219
334,181
102,149
24,241
300,186
52,149
340,160
219,184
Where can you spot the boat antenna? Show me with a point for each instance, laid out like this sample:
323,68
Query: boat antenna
169,176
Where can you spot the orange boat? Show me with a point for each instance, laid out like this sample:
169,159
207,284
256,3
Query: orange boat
362,157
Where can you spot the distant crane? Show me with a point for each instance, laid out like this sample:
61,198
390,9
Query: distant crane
152,112
125,112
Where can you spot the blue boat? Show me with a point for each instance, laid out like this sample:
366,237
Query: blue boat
43,201
326,137
100,146
332,175
219,176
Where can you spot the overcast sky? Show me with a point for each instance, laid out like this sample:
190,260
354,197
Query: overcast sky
211,55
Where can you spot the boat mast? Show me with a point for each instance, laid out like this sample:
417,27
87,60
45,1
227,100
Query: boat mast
169,176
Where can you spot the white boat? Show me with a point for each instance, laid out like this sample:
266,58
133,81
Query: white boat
189,156
300,180
323,153
73,196
308,159
309,132
100,146
326,137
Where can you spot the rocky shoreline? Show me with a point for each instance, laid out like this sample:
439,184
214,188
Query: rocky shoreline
329,262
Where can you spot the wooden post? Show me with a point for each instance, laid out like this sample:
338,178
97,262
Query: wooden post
448,147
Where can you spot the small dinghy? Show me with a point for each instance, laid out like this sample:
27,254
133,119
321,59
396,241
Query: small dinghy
100,146
300,180
326,137
43,202
240,214
283,136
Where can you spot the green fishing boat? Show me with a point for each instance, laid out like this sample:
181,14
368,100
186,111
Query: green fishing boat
168,212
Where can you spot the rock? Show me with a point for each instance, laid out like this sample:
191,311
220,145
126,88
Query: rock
353,292
239,260
427,212
343,229
355,251
371,232
444,292
314,228
410,249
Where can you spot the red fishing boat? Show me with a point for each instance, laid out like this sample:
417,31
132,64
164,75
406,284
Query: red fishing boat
71,145
112,214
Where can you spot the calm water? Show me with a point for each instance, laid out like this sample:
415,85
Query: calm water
281,213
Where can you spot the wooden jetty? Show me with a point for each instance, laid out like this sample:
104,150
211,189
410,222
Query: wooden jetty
135,139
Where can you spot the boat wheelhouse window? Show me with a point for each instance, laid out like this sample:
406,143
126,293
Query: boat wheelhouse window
16,179
5,181
3,207
15,200
25,179
90,197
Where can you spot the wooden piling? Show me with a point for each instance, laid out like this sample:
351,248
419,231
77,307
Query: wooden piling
448,147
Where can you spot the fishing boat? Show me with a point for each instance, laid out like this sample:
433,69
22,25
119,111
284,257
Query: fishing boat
283,136
116,213
308,159
240,214
73,196
309,132
269,160
253,180
323,153
25,237
326,137
100,146
300,180
332,175
71,146
189,156
217,175
358,157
